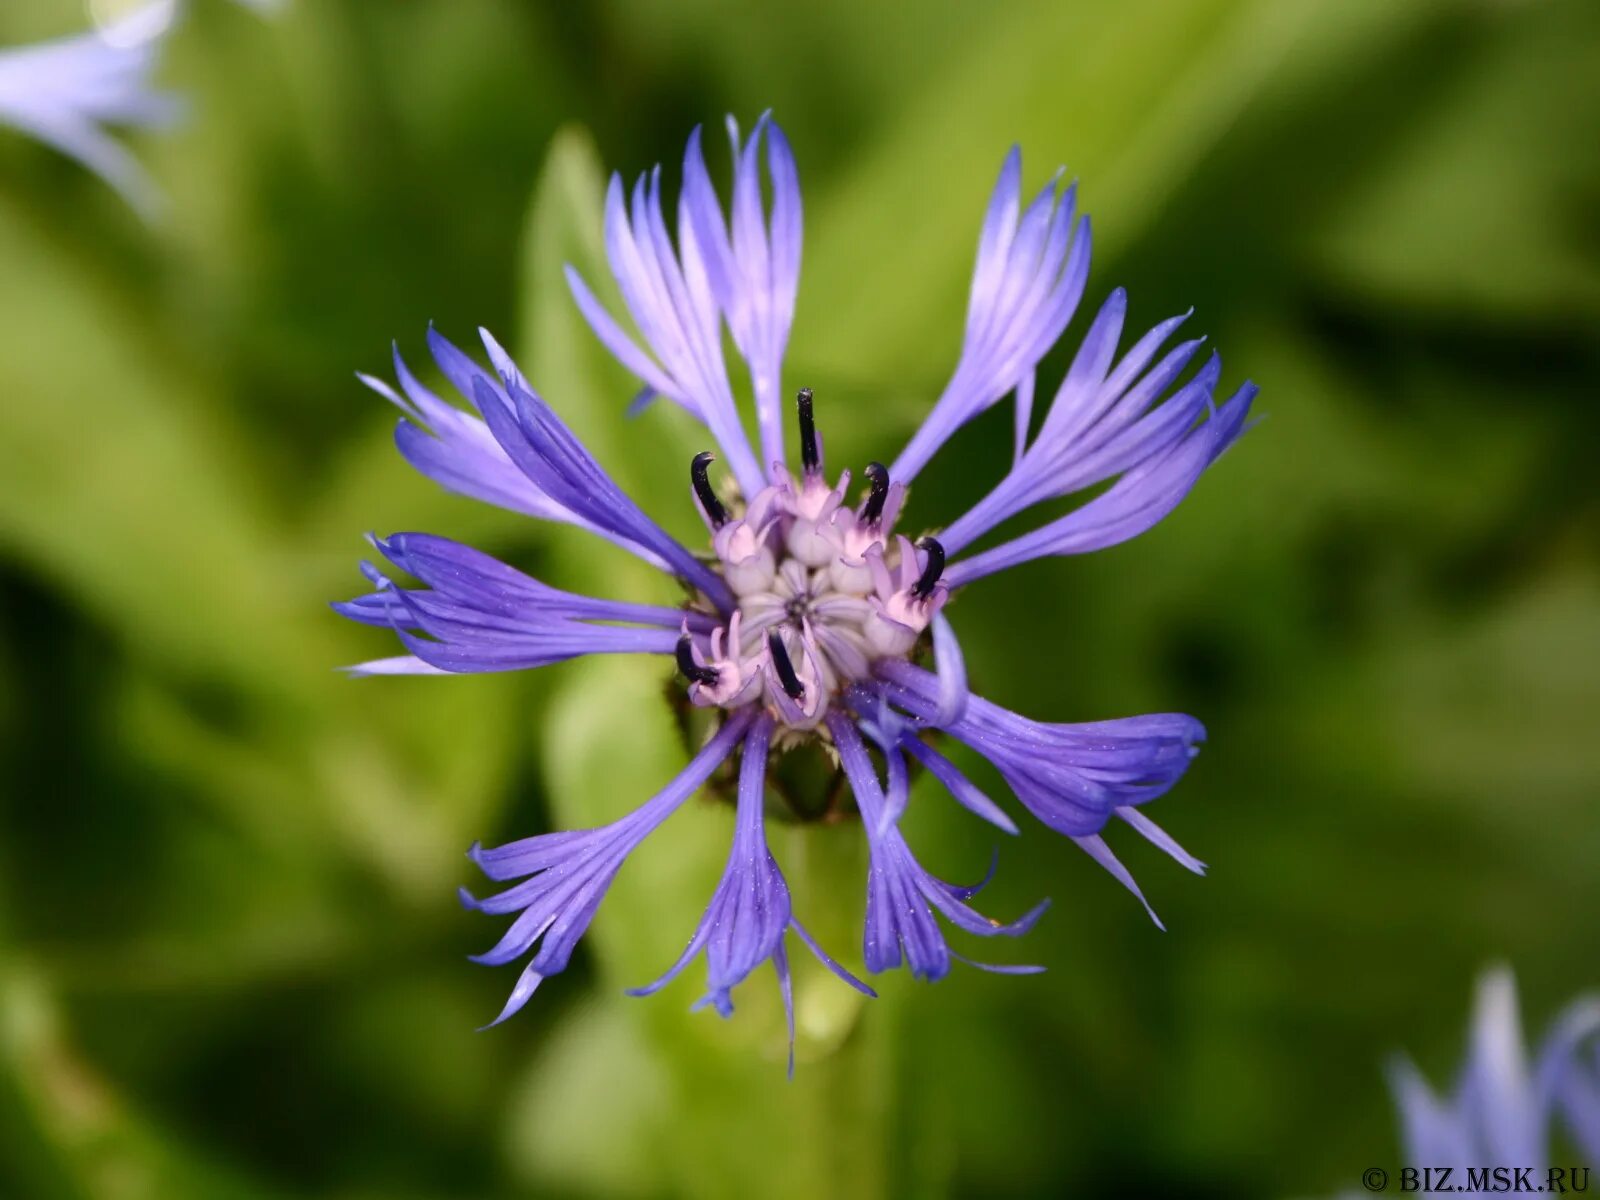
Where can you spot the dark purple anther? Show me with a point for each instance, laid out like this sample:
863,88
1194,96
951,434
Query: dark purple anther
931,572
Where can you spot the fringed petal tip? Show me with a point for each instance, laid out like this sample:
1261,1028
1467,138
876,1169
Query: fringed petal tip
1026,921
952,672
999,968
403,664
527,983
962,790
690,952
968,891
1122,419
383,389
720,1000
642,400
1096,848
1031,268
828,961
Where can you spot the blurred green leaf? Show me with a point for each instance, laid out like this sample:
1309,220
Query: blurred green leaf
1481,206
1140,96
120,482
89,1142
587,1116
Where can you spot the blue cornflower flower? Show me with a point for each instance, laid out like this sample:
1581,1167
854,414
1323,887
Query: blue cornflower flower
1501,1113
804,622
63,92
1579,1093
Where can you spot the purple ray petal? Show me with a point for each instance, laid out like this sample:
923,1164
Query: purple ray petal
671,296
1073,777
1103,421
952,667
1029,276
471,580
749,915
962,790
901,895
552,456
457,450
569,873
1133,504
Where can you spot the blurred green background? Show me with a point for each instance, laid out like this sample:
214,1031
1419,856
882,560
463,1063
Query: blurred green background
231,963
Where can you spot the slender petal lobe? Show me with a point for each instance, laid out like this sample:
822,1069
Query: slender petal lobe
1135,503
749,917
1030,273
902,896
1074,778
564,876
551,455
679,296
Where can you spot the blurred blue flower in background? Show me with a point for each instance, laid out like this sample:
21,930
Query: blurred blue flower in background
65,92
1579,1091
1502,1112
803,625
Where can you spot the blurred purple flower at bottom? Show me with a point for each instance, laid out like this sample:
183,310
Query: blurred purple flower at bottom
1578,1091
64,92
1502,1111
804,622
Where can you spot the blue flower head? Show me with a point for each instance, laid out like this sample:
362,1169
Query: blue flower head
809,616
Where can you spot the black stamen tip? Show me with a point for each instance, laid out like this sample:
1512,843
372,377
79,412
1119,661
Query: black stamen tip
785,669
810,460
715,513
872,510
692,670
931,572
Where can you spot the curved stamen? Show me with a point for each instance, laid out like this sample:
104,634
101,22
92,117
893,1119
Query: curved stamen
931,572
715,513
691,669
785,669
810,460
872,510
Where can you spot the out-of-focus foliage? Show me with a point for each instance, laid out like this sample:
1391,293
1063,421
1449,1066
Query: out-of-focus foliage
230,962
